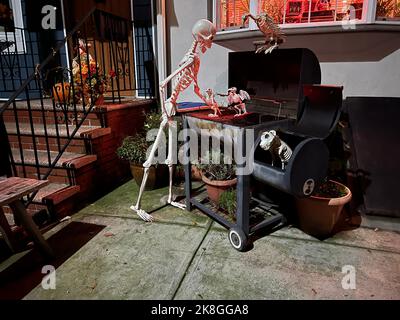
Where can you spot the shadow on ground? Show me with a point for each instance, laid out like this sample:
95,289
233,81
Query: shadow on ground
21,277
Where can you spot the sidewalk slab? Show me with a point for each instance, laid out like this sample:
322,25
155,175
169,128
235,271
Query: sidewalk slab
288,268
129,259
117,203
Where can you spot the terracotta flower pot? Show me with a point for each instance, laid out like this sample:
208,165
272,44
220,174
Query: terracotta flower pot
317,216
158,176
215,188
196,173
62,92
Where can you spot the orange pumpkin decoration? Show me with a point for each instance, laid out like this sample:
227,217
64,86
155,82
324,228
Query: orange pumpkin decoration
62,92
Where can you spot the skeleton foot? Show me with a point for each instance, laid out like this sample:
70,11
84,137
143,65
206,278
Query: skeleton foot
143,214
270,49
262,49
178,205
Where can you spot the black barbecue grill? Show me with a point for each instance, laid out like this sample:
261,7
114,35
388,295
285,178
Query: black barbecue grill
286,97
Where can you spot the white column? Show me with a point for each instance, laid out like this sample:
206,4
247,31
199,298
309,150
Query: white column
254,12
369,9
161,39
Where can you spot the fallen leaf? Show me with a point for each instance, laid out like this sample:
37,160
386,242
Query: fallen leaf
94,285
315,291
109,234
65,219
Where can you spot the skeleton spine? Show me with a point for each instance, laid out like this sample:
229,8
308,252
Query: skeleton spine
185,77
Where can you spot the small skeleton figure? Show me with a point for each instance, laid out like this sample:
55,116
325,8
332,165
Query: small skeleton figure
278,148
237,100
273,34
203,33
210,98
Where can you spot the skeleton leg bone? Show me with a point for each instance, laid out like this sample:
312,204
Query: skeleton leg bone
140,212
170,164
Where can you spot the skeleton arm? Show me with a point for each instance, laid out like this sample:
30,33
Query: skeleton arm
198,92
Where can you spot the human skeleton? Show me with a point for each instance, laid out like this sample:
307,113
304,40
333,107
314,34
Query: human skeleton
278,148
203,32
273,34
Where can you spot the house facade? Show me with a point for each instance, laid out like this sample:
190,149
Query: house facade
357,42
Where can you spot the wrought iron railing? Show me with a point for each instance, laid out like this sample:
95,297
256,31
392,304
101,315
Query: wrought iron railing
48,102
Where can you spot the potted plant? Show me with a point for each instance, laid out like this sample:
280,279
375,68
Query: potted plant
318,214
134,149
218,177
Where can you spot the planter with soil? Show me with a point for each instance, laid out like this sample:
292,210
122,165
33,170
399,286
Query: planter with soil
215,188
318,214
158,176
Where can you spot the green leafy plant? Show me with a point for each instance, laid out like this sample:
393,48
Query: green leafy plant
134,149
227,201
217,171
152,121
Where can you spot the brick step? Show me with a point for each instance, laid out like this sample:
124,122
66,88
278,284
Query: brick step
51,114
50,130
28,157
53,144
48,117
52,141
57,175
56,192
67,159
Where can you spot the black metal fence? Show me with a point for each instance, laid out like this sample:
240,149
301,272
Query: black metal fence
47,102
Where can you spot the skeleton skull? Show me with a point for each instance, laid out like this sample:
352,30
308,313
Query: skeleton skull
267,138
204,32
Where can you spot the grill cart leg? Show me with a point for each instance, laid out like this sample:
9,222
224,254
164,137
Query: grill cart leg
239,236
188,169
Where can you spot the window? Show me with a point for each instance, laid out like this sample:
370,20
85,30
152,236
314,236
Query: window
11,27
229,12
312,11
388,10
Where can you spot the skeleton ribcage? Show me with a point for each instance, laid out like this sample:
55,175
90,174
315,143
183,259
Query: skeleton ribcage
267,25
181,82
286,152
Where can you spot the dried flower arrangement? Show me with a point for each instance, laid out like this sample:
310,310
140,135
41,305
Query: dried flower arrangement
90,83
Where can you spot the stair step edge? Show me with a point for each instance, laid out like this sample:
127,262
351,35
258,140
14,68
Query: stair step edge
80,162
95,133
61,195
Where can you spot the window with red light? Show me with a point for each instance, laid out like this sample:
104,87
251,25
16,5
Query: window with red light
388,10
229,12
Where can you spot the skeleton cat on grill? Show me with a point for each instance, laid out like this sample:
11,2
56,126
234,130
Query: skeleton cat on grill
278,148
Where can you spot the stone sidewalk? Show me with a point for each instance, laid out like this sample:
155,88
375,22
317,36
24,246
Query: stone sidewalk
187,256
